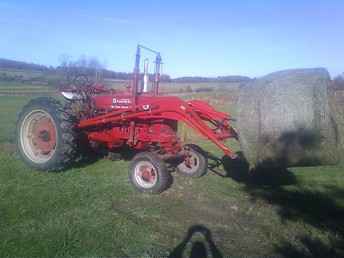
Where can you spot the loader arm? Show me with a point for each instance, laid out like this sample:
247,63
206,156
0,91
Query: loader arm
192,119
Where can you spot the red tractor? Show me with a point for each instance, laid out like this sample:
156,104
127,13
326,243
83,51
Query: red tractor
51,135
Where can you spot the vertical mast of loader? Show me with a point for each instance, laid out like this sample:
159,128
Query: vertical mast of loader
136,78
157,73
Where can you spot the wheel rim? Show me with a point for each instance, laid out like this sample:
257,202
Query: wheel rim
190,164
146,174
38,136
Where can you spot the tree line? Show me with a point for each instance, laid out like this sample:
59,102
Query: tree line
90,66
338,82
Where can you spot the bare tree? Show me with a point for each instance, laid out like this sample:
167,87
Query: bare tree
89,67
64,60
338,82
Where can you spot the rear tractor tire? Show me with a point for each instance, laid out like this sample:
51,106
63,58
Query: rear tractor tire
148,173
46,139
195,163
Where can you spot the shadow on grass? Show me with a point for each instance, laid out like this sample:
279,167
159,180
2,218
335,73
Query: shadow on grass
239,170
89,155
311,206
312,248
199,249
86,157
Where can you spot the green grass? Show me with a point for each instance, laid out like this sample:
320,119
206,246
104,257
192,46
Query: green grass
9,108
91,210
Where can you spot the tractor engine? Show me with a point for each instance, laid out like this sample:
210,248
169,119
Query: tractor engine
158,135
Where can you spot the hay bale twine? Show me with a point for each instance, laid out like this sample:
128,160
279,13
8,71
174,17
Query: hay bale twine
284,119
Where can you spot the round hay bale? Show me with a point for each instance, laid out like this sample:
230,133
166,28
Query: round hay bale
337,110
284,119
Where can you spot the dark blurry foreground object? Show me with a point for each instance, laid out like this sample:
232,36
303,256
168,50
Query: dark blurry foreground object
284,119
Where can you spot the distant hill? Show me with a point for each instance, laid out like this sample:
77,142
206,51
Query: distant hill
6,64
9,71
230,78
19,65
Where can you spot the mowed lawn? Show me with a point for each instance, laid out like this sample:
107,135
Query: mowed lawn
91,210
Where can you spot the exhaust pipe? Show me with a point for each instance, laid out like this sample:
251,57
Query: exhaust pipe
145,75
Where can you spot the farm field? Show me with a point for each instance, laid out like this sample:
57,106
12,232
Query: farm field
30,82
91,210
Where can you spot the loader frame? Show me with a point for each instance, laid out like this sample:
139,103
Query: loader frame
149,120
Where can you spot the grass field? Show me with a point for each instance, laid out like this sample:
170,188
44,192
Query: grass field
91,210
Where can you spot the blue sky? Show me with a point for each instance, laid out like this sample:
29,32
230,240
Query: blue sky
195,37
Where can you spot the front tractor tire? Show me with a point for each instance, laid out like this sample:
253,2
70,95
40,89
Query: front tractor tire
45,135
195,163
148,173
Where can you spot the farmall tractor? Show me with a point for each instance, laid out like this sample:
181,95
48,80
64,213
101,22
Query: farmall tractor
50,136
